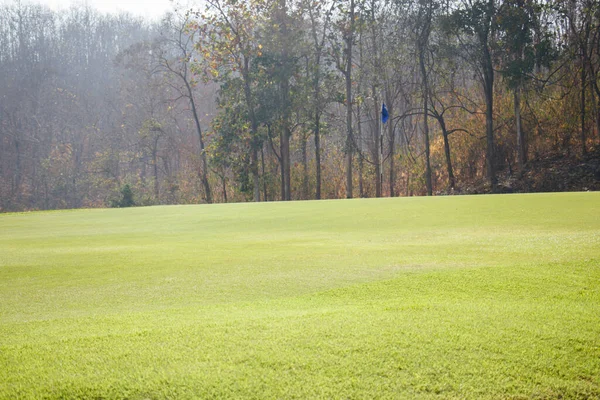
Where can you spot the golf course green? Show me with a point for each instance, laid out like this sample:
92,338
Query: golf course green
462,297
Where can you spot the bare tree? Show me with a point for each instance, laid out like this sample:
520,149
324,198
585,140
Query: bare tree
175,51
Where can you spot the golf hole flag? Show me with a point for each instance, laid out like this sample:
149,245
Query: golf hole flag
384,114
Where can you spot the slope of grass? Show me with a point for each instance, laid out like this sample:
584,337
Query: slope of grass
456,297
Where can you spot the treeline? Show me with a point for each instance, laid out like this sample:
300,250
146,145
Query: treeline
90,103
270,100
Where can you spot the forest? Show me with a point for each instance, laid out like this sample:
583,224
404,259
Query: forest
268,100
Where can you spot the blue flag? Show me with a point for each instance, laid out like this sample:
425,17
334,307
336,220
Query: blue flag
384,114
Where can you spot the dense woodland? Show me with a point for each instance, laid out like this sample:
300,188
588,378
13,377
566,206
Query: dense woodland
264,100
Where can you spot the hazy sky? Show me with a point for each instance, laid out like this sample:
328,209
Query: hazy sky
145,8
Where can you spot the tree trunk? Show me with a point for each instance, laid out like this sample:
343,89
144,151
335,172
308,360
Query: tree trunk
255,177
317,100
348,76
304,169
285,98
582,111
391,141
488,83
595,106
521,156
281,167
262,163
279,162
318,154
285,158
361,182
224,184
487,71
378,125
598,118
376,143
425,94
254,130
16,190
155,170
451,180
422,43
361,161
204,176
595,95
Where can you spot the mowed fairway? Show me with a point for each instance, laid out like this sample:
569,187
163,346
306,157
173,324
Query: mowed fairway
481,297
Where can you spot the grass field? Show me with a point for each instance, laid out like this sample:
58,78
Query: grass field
480,297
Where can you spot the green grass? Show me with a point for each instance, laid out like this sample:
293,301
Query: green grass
481,297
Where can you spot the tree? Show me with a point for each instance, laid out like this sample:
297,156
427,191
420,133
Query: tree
424,20
518,24
583,20
475,20
342,54
228,44
126,198
318,33
284,45
175,53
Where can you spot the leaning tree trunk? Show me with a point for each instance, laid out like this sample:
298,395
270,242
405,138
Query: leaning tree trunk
204,177
449,169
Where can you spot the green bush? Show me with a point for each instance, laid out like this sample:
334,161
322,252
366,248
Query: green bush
126,198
